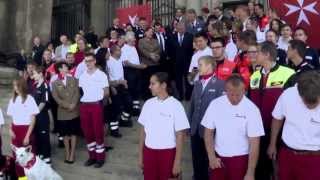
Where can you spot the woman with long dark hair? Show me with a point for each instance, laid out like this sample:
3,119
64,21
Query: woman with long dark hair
164,122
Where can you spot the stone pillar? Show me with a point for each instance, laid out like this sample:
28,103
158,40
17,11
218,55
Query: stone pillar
181,3
4,27
194,4
98,16
32,18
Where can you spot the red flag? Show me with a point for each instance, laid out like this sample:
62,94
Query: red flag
128,14
303,13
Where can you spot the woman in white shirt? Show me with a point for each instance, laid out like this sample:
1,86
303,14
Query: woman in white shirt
22,108
164,122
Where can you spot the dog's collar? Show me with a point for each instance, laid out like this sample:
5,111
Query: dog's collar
31,162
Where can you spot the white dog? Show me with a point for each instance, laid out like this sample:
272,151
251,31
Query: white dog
34,167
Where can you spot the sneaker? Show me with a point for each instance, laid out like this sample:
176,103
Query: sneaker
99,164
89,162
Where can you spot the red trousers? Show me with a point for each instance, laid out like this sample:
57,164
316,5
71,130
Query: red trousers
234,168
294,166
91,117
158,164
20,132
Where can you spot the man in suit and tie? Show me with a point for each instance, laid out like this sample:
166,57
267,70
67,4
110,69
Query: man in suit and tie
194,25
206,89
161,36
181,51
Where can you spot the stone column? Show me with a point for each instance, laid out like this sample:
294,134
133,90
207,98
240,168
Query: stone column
194,4
98,16
32,18
4,25
181,3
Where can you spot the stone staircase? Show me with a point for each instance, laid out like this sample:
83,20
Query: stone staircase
7,74
121,163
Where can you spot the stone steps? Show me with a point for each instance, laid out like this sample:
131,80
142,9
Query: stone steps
121,162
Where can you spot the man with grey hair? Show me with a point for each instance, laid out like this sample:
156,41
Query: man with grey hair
194,25
132,70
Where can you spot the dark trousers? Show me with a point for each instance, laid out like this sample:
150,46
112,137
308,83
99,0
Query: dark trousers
54,110
42,134
183,87
199,158
146,74
264,169
133,76
121,103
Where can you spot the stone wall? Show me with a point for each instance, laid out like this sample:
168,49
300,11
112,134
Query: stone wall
21,20
3,24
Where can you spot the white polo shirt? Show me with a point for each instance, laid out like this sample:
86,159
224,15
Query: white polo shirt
21,113
1,118
161,119
196,56
130,53
301,130
115,69
93,85
234,124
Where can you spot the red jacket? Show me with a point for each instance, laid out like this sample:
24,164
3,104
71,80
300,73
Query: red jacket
263,22
224,69
243,67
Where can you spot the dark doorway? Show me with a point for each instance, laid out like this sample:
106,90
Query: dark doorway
68,17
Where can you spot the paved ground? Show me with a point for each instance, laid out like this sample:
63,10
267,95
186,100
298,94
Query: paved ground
121,162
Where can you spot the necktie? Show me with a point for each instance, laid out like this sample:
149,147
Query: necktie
160,42
180,39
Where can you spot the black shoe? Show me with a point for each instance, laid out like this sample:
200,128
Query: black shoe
99,164
90,162
115,134
125,123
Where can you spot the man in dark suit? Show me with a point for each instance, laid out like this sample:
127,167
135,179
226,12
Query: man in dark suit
37,50
181,51
194,25
206,89
161,36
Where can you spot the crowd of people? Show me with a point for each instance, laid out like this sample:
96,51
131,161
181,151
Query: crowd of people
247,75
